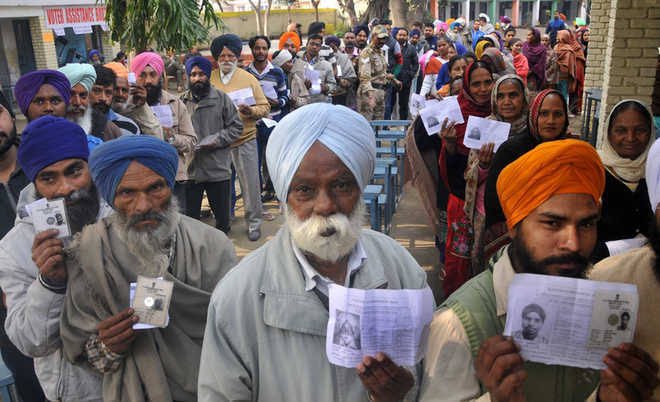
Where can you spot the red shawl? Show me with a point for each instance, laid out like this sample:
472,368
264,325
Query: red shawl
469,107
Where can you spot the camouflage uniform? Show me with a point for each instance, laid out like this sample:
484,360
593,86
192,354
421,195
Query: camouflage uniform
373,80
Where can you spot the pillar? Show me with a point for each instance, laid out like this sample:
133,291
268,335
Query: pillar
515,13
43,43
466,13
494,17
536,11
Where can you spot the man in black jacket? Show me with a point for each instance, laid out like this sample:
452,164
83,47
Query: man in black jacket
406,75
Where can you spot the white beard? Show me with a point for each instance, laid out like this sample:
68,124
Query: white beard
85,121
306,234
151,247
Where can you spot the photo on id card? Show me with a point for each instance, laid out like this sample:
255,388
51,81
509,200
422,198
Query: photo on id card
613,318
152,300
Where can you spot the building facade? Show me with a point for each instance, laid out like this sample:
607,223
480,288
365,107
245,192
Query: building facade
522,12
37,34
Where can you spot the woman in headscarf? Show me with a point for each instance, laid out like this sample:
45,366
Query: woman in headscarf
550,63
583,39
483,44
474,100
509,103
542,126
536,53
570,63
626,211
575,94
449,71
498,64
519,60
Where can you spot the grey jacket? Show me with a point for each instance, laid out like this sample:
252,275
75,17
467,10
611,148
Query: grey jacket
214,119
33,314
265,335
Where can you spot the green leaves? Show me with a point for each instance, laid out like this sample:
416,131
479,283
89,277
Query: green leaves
163,24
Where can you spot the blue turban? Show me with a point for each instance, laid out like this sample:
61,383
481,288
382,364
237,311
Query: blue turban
92,53
414,32
79,73
202,62
343,131
48,140
109,161
332,40
29,84
233,42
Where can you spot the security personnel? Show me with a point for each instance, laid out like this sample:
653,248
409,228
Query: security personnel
374,77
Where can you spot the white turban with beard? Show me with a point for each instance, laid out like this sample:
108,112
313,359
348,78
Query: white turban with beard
349,136
344,132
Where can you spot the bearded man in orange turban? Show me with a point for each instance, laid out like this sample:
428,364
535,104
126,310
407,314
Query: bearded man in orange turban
290,41
551,199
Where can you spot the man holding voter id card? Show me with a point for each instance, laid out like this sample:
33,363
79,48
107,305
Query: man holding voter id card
266,337
60,201
551,200
143,278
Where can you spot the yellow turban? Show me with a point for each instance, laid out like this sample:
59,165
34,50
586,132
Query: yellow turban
554,167
120,70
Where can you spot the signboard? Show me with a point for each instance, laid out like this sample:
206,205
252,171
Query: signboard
81,18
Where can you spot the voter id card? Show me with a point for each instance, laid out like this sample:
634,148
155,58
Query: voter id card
152,300
50,214
613,318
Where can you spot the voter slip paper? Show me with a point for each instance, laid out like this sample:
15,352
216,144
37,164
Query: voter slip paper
567,321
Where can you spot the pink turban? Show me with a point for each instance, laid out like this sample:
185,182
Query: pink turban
145,59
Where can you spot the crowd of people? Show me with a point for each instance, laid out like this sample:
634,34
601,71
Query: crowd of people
131,162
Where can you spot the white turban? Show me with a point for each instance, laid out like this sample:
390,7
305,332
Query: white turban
282,58
653,175
78,73
343,131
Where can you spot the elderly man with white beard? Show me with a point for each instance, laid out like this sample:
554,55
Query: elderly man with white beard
146,237
82,78
266,329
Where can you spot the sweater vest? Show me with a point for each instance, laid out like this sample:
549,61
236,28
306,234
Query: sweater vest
474,305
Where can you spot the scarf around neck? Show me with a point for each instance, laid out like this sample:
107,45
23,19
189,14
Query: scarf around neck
629,171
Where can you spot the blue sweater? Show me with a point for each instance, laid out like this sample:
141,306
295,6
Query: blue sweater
276,75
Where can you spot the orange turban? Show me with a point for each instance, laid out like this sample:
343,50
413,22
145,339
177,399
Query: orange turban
290,35
120,70
554,167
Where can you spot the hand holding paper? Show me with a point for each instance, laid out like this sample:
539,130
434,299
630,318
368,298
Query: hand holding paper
435,112
480,131
366,322
117,332
569,322
243,96
383,379
499,367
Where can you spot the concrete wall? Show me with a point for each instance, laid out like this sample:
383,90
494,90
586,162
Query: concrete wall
244,24
623,51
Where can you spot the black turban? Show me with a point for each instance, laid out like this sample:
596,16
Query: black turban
316,28
233,42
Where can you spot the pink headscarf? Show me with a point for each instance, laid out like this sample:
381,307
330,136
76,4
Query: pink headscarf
145,59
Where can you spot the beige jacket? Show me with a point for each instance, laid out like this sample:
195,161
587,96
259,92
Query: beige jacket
184,134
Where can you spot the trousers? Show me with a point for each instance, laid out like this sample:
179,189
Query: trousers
371,104
246,162
219,195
